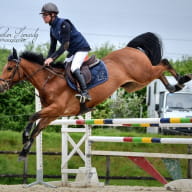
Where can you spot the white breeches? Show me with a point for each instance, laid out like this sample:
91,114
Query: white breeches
77,60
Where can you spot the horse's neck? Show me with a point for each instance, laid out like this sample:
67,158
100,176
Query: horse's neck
34,73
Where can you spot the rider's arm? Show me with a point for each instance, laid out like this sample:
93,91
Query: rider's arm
52,46
65,33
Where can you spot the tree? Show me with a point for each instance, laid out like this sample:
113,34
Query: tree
16,106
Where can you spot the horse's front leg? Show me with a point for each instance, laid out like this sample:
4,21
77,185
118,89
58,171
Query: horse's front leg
27,141
26,148
37,129
27,131
45,117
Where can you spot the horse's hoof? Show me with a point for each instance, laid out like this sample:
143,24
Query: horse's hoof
22,158
170,88
22,155
189,76
185,78
178,87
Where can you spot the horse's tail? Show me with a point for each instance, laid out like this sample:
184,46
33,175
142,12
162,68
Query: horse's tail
151,44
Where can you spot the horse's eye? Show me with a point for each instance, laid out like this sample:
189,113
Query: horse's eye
9,68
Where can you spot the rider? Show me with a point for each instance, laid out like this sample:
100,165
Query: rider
71,40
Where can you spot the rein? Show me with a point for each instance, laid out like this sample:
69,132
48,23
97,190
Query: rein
51,70
31,75
54,73
9,82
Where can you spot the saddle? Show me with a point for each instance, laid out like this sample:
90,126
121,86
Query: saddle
94,72
85,69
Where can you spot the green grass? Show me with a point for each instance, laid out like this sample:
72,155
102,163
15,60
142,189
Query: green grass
120,166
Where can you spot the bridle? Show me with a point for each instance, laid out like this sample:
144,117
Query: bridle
15,70
9,82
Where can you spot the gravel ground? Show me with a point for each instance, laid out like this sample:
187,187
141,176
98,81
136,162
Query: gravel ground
42,188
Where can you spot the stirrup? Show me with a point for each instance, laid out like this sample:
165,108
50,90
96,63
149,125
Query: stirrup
83,97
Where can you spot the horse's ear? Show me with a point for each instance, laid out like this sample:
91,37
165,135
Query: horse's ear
15,53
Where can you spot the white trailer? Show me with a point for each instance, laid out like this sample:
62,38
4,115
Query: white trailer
161,103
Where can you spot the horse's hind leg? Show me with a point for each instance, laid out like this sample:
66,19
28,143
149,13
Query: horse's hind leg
185,78
170,69
180,79
168,86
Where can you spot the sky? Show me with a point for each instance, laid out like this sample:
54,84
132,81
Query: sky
114,22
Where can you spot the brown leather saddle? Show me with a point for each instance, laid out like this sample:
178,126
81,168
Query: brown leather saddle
92,61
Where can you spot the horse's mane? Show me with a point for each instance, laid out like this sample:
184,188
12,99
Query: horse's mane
39,59
33,57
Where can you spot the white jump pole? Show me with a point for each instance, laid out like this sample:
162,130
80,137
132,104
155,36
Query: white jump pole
141,140
138,122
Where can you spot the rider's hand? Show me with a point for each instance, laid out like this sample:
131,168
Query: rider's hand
48,61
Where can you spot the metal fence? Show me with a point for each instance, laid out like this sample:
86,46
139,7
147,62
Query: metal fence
107,177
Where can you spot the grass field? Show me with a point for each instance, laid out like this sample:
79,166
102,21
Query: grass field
120,166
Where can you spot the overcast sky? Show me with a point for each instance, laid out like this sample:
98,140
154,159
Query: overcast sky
101,21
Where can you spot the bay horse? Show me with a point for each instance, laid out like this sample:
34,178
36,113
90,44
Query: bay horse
132,68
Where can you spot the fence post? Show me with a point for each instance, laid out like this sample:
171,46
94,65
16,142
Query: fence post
64,154
107,170
25,170
189,172
39,151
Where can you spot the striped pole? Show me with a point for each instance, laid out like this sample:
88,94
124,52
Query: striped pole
131,122
141,140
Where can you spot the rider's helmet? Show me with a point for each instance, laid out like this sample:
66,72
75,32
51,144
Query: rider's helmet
49,8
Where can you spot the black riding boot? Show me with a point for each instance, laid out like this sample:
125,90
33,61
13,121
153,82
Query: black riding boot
84,95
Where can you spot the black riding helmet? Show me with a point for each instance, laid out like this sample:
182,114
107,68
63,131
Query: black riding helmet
49,8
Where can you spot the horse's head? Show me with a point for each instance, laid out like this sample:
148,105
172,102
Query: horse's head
11,73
